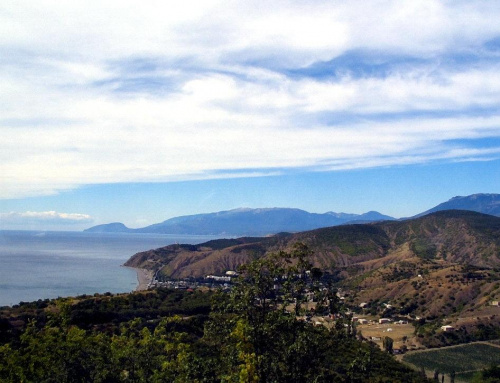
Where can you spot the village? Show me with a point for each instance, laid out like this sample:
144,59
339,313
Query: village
394,333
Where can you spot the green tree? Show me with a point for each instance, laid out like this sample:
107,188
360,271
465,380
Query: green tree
436,375
60,354
388,344
145,356
264,340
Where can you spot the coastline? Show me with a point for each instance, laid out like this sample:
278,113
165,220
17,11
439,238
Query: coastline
144,278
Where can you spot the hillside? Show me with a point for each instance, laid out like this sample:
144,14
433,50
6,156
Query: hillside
456,254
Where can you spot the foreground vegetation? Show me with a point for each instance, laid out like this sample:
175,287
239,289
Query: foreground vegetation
249,334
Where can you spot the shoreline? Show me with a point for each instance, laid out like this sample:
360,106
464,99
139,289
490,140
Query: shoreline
144,278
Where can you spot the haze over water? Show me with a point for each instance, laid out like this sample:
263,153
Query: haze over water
38,265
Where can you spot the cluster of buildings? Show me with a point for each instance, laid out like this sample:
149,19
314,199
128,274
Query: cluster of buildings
378,321
192,283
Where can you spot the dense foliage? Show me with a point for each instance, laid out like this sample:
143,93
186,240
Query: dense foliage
254,333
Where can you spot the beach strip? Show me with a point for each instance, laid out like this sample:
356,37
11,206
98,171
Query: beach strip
144,278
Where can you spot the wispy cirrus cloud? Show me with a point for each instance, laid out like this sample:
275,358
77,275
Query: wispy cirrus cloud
98,93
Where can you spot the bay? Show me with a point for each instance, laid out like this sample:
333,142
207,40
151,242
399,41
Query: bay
38,265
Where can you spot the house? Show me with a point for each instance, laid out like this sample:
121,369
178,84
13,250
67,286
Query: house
384,320
495,303
363,305
362,321
447,328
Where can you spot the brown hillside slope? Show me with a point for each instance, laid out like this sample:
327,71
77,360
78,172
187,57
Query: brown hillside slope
332,248
452,236
440,264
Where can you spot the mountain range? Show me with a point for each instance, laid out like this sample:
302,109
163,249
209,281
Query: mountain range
443,263
246,221
265,221
482,203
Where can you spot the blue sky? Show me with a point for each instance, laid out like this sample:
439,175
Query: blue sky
140,111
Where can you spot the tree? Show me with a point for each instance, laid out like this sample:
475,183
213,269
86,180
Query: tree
60,354
388,344
422,372
258,319
436,375
259,331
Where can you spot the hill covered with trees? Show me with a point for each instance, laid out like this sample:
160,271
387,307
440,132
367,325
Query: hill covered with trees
252,333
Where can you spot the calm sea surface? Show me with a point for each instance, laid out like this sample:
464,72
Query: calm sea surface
37,265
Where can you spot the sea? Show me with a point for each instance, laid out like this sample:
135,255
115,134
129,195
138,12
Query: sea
49,264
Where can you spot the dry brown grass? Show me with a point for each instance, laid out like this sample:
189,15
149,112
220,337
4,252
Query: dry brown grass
380,330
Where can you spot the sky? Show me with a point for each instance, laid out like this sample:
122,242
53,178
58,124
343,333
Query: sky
141,111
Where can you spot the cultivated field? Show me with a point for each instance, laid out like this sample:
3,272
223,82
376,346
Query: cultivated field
395,331
464,359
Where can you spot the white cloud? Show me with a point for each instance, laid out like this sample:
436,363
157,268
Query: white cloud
43,217
94,92
298,31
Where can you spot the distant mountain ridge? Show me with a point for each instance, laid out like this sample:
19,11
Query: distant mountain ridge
246,221
481,203
114,227
264,221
